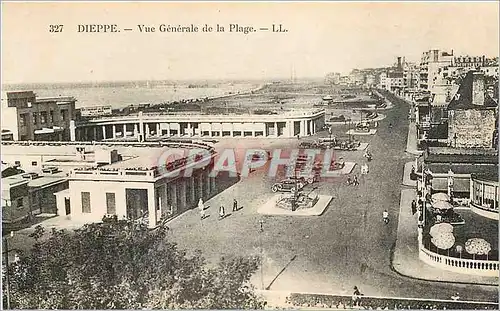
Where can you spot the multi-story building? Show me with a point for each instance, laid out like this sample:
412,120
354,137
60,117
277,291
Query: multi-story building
370,80
462,64
383,82
356,77
473,115
333,78
472,62
29,117
430,64
411,75
395,81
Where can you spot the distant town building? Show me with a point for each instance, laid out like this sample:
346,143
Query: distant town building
383,82
411,76
95,111
356,77
370,80
333,78
28,117
472,62
431,63
473,115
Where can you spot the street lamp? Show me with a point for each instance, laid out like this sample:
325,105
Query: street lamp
261,231
7,278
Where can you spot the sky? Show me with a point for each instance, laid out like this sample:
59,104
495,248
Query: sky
322,37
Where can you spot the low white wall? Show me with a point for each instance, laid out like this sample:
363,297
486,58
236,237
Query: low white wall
483,212
465,266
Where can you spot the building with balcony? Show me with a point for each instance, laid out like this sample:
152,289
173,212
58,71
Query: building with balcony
430,64
141,126
29,117
472,62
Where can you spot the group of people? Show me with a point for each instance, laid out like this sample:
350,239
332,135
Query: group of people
368,155
353,182
222,210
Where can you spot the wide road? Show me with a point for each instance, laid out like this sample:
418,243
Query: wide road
348,245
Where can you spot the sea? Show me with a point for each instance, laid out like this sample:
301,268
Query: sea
122,94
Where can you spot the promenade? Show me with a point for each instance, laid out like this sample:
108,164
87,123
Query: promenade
405,259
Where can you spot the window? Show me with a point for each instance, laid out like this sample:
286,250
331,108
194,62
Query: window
51,116
34,163
85,202
43,117
22,119
110,203
64,114
35,117
20,202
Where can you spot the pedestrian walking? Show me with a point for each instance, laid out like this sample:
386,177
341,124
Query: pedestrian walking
385,216
356,182
235,205
201,206
356,296
413,207
202,214
222,212
455,297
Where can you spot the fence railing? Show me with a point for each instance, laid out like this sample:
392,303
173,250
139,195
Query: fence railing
478,267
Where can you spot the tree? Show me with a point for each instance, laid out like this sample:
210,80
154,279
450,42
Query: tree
118,264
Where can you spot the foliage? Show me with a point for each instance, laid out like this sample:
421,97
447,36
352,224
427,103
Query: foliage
123,265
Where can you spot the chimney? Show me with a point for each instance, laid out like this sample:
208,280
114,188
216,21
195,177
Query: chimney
399,62
478,88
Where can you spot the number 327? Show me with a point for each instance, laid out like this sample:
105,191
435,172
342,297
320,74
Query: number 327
55,28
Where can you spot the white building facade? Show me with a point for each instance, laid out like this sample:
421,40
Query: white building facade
143,126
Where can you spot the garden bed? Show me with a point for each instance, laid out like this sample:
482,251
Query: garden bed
368,302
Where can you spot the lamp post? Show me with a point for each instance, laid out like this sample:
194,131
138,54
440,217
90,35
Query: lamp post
424,195
7,277
261,231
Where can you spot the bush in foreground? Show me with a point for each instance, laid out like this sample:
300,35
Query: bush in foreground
122,265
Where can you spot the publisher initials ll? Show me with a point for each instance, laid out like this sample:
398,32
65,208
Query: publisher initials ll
279,28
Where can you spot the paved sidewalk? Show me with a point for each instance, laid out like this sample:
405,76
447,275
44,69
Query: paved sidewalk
406,175
411,141
405,259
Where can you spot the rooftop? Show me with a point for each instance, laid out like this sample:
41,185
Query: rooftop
58,99
461,158
45,181
491,175
14,180
463,98
145,161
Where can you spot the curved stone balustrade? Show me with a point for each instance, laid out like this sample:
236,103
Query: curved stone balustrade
189,145
488,268
488,213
